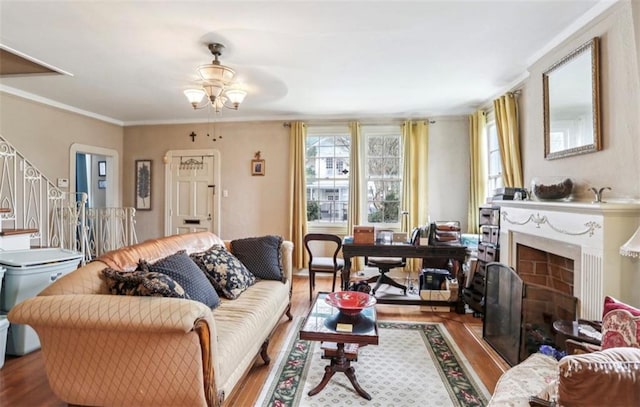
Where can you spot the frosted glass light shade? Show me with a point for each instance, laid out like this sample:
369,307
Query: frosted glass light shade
632,247
194,96
215,72
213,89
236,96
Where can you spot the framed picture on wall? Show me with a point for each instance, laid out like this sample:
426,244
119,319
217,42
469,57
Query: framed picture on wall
143,185
102,184
257,167
102,168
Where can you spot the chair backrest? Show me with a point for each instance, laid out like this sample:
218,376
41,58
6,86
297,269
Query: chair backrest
326,237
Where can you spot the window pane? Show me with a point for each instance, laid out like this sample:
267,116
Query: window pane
375,146
392,167
392,146
376,167
326,168
383,174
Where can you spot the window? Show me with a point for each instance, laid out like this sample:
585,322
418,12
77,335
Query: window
494,171
327,153
383,174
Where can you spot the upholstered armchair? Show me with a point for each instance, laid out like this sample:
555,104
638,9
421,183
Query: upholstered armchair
589,376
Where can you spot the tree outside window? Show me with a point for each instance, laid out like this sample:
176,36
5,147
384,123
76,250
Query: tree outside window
383,176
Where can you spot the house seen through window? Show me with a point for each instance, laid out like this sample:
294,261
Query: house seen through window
327,153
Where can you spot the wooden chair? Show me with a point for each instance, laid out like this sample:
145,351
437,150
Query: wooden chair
323,264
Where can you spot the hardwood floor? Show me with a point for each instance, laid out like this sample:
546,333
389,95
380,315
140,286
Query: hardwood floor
23,381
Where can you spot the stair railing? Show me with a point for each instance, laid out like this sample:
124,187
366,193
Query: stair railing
55,218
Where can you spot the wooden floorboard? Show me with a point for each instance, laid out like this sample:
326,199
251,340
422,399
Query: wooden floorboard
23,381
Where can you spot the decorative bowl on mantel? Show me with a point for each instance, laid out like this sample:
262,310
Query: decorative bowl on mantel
552,188
350,302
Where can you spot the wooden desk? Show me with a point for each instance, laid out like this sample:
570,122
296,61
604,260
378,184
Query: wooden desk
455,253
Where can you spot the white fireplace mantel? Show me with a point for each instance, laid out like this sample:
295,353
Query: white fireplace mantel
598,230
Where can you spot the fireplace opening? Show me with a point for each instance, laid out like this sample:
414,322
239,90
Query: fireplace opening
543,268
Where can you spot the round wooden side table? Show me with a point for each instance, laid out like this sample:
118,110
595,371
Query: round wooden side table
570,330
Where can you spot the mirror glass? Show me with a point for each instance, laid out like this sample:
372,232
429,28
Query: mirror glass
571,90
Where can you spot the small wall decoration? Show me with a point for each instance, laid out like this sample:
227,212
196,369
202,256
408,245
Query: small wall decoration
257,165
102,184
143,185
102,168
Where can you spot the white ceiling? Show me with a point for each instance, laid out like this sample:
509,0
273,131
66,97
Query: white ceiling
131,60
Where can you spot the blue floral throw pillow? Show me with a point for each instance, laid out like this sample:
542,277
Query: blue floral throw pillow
142,283
183,270
227,274
261,255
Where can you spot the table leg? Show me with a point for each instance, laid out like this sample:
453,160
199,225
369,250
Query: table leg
340,363
346,273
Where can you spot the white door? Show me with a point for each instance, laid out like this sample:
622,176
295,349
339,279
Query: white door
192,194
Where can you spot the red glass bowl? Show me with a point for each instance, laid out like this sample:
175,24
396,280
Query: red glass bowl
350,302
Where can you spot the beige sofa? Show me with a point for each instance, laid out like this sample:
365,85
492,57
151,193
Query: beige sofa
103,349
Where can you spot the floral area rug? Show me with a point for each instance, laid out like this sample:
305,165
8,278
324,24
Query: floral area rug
414,364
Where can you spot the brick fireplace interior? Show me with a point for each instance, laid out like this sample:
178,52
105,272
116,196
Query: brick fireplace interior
546,269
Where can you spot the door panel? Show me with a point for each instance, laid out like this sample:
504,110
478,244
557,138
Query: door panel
192,201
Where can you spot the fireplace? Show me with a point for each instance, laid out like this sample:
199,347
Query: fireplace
580,243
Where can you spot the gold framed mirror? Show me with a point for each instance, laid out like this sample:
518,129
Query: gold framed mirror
571,94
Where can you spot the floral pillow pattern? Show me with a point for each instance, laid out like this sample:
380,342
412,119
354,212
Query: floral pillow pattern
227,274
620,325
142,283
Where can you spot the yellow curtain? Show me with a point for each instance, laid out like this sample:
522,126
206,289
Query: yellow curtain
478,160
415,139
353,216
506,111
298,193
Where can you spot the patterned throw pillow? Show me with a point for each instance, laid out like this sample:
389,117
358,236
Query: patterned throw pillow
227,274
620,325
181,268
141,283
261,255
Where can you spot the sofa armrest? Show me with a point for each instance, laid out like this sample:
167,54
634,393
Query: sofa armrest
116,350
608,377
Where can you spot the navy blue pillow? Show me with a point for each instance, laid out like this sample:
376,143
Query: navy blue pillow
185,272
261,255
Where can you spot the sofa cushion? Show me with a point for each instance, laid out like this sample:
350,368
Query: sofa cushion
227,274
529,378
620,325
142,283
261,255
181,268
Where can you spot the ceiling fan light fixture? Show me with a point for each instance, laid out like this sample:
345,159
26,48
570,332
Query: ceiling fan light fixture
217,85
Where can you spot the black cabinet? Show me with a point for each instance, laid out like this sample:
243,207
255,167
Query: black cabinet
488,251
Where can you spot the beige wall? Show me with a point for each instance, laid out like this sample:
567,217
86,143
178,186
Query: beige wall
256,205
449,169
44,134
618,164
